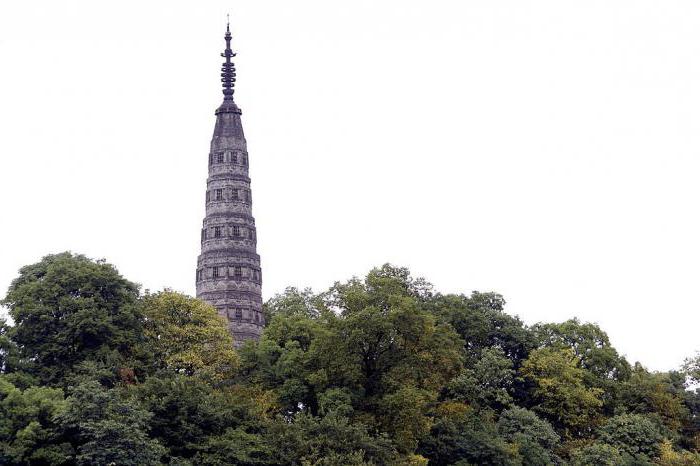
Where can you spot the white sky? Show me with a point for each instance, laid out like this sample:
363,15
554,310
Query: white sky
547,150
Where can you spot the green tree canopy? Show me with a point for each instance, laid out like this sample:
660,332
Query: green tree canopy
67,309
692,368
107,427
186,335
559,392
29,433
597,453
481,322
634,434
589,343
536,439
379,370
488,383
660,394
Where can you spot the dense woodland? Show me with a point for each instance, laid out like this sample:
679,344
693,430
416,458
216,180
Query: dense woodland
375,371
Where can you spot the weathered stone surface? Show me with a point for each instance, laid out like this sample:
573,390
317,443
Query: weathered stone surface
228,269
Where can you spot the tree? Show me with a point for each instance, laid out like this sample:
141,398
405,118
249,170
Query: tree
692,368
235,446
9,351
589,343
481,323
68,309
187,336
691,429
288,361
535,437
401,355
375,371
186,412
189,416
559,393
604,367
368,348
379,346
334,439
634,434
107,427
461,435
28,431
294,302
668,456
660,394
488,384
599,454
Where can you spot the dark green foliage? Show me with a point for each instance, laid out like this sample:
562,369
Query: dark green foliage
661,394
480,321
690,431
294,302
335,436
589,343
29,433
67,309
381,358
692,368
604,366
108,427
470,437
234,446
634,434
9,351
600,454
560,393
375,371
185,412
535,437
188,411
488,383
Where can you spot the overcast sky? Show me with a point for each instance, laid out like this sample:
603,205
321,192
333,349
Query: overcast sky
547,150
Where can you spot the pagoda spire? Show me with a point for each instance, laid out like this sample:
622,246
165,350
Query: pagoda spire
228,69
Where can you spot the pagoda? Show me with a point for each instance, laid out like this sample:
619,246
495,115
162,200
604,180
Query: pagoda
228,269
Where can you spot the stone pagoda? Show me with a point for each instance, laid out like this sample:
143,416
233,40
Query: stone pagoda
228,269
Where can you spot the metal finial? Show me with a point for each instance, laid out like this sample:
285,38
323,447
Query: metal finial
228,69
